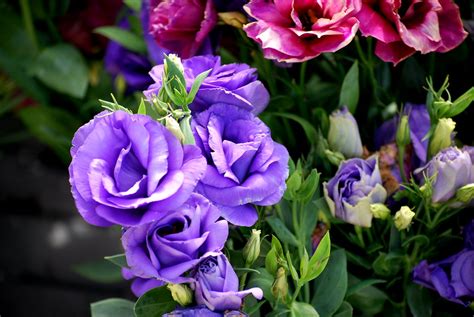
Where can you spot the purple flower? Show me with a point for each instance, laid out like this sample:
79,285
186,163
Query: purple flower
217,285
233,84
245,166
171,246
140,285
181,26
201,311
356,185
453,277
449,170
419,122
128,169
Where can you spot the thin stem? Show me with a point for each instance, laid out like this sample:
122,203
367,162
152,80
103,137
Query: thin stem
243,278
28,20
401,162
304,65
297,291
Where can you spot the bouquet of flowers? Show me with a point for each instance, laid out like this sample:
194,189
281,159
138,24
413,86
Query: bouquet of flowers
368,216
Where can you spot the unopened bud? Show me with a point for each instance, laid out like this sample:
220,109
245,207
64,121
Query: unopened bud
403,132
252,248
181,293
173,58
441,137
343,135
280,285
235,19
403,217
173,126
465,194
380,211
334,157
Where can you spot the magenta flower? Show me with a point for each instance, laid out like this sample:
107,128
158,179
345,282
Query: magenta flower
404,27
181,26
298,30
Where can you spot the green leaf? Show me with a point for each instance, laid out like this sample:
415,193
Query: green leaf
309,187
354,288
271,264
196,84
349,95
52,126
135,5
62,68
387,265
345,310
125,38
294,274
419,301
369,299
264,280
320,258
331,286
299,309
155,303
282,232
185,125
112,307
118,259
308,128
99,271
142,107
461,104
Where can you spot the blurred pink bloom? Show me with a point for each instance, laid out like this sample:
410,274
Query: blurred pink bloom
298,30
403,27
182,26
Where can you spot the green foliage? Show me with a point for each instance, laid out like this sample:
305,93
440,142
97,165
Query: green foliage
349,95
100,271
299,309
118,259
154,303
112,307
365,297
125,38
419,300
318,261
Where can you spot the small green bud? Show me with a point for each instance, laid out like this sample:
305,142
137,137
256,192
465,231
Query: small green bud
173,126
120,85
343,135
280,285
403,217
441,138
465,194
181,293
380,211
403,132
235,19
334,157
252,248
173,58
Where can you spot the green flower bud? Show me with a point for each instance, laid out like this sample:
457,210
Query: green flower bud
334,157
441,138
403,132
252,248
465,194
343,135
403,217
380,211
173,58
280,285
235,19
181,293
173,126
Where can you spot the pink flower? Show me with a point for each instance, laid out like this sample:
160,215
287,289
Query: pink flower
403,27
298,30
182,26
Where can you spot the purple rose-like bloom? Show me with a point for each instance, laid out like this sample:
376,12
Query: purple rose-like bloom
233,84
169,247
245,166
356,185
419,122
217,285
448,170
453,277
128,169
202,311
140,285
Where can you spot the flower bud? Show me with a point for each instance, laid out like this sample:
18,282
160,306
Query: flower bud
173,126
334,157
403,217
173,58
465,194
441,137
343,134
380,211
252,248
280,285
181,293
403,132
235,19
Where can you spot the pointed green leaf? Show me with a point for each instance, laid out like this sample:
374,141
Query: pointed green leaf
154,303
282,232
118,259
349,95
196,84
125,38
112,307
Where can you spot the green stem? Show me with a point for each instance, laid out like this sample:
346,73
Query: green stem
28,21
295,294
242,281
360,236
304,65
401,162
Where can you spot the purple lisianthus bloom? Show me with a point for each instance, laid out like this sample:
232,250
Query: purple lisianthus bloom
356,185
233,84
171,246
453,277
140,285
448,170
202,311
181,26
217,285
419,122
245,166
128,169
